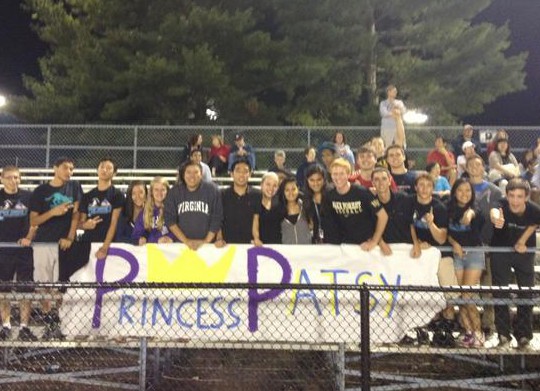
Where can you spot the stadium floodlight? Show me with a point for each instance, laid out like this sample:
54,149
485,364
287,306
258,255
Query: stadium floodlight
3,101
414,117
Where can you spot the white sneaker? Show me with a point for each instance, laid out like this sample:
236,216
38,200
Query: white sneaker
504,343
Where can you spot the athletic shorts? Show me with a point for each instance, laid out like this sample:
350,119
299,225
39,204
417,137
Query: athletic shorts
447,276
46,260
471,260
16,263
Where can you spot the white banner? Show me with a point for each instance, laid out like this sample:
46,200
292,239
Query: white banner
304,315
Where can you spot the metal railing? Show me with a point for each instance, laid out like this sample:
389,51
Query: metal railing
160,146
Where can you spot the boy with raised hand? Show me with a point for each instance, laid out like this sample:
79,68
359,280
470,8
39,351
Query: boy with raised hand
15,261
430,221
515,223
54,210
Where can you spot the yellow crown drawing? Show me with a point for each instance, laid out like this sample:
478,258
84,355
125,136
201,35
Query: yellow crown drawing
187,267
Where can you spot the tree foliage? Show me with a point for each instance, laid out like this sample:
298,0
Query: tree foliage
263,62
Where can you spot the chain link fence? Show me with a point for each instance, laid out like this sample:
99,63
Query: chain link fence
160,147
201,358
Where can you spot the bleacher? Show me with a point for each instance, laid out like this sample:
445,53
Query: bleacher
87,177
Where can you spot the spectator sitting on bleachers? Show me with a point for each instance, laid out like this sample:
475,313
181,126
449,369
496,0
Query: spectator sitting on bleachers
310,154
219,155
342,148
526,156
531,166
468,151
196,156
241,150
467,135
503,164
327,154
441,187
194,143
446,159
528,175
490,147
278,166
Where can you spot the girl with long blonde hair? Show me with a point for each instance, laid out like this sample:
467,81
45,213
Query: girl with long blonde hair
150,225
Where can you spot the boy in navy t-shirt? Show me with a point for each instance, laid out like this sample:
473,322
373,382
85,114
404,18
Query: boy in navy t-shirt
54,210
15,261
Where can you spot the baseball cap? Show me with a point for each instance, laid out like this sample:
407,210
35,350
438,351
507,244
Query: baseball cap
238,137
327,145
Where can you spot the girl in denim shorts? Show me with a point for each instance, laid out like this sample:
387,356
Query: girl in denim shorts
464,226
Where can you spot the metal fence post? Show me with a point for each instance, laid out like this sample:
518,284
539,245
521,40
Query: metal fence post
308,136
365,364
135,142
48,149
142,363
340,361
157,366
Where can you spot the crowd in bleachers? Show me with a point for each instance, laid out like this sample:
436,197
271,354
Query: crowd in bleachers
367,197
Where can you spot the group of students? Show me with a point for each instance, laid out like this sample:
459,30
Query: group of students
393,206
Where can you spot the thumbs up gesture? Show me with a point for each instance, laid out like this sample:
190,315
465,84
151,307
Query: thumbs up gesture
497,217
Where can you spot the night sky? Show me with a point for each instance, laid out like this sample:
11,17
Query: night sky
20,49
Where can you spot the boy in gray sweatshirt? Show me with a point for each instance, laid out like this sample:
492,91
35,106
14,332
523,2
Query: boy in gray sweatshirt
193,208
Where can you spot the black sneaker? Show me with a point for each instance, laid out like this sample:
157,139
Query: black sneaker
25,334
5,333
53,332
524,343
443,339
422,336
407,341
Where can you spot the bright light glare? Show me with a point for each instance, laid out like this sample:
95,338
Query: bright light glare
415,117
211,114
3,100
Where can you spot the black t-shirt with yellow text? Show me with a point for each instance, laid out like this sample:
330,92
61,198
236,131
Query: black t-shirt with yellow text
354,214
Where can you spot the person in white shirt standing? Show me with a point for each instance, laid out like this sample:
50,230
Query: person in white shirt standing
390,109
